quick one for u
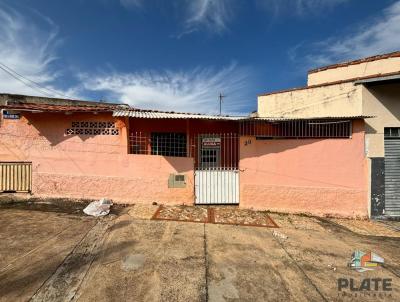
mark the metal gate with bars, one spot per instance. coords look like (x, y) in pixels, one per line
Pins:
(15, 176)
(216, 168)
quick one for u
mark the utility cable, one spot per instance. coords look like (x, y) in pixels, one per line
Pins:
(39, 87)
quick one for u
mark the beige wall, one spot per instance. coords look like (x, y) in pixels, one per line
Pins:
(331, 100)
(382, 101)
(383, 66)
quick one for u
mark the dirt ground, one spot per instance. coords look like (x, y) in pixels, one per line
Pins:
(52, 252)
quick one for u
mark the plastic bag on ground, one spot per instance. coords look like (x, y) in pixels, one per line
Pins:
(98, 208)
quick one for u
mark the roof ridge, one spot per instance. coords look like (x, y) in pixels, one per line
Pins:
(15, 102)
(357, 61)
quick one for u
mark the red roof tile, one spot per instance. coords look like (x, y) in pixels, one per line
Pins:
(58, 108)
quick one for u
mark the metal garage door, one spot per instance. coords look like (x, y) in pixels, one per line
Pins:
(392, 172)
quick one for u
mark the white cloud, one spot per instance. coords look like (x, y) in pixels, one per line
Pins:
(212, 15)
(27, 50)
(194, 91)
(30, 50)
(374, 36)
(215, 15)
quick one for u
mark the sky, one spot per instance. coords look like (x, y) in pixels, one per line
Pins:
(179, 55)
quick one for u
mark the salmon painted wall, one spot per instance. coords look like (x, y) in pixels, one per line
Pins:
(90, 166)
(317, 176)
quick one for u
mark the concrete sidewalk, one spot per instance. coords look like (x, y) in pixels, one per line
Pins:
(55, 256)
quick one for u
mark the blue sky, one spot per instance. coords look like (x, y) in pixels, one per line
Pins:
(179, 55)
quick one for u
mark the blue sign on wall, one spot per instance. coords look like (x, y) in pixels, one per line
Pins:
(11, 116)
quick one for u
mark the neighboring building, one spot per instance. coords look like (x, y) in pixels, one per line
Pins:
(65, 148)
(365, 87)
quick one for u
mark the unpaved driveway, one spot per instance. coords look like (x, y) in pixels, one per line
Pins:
(56, 256)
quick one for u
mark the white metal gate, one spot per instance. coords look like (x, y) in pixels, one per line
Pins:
(217, 171)
(217, 186)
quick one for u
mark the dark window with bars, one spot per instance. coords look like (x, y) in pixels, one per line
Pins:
(168, 144)
(392, 132)
(297, 129)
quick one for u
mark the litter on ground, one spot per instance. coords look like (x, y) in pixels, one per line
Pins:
(98, 208)
(279, 235)
(332, 267)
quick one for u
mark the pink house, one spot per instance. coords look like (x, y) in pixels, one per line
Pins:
(91, 150)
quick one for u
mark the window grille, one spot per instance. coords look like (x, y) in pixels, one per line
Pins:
(168, 144)
(215, 151)
(159, 143)
(392, 132)
(210, 157)
(208, 150)
(139, 143)
(297, 129)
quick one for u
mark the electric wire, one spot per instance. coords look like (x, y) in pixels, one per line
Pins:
(49, 92)
(30, 86)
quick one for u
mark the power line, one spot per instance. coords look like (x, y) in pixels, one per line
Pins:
(30, 86)
(38, 87)
(35, 83)
(42, 89)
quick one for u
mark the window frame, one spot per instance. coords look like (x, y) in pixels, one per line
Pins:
(172, 144)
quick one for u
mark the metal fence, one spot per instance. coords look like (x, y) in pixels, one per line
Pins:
(297, 129)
